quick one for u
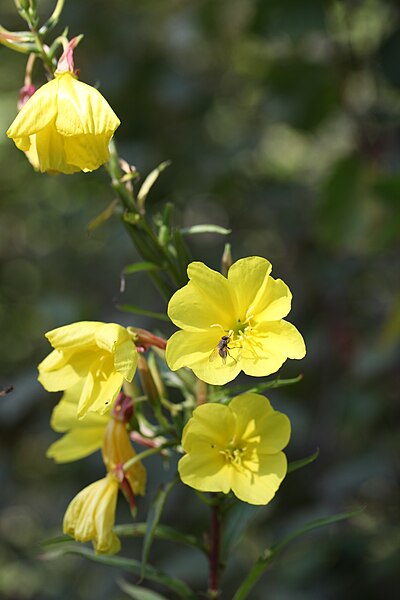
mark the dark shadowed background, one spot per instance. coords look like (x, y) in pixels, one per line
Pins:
(281, 120)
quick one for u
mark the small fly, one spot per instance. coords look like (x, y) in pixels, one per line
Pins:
(222, 349)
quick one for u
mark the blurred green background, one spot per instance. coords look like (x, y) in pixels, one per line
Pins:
(281, 119)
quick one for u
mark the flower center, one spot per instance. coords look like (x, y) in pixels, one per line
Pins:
(234, 455)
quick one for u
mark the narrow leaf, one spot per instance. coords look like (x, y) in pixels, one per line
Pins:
(153, 519)
(128, 564)
(224, 394)
(205, 229)
(149, 182)
(237, 521)
(271, 553)
(138, 592)
(132, 308)
(140, 266)
(136, 268)
(299, 464)
(161, 532)
(103, 216)
(267, 385)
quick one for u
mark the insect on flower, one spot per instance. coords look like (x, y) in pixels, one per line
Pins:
(222, 349)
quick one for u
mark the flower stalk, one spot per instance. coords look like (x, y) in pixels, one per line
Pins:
(215, 549)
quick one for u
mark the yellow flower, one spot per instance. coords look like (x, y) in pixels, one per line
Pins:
(232, 324)
(236, 447)
(81, 436)
(67, 125)
(99, 355)
(90, 515)
(117, 450)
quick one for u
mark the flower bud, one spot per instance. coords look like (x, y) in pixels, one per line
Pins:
(147, 381)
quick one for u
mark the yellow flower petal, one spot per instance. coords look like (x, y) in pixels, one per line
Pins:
(206, 300)
(205, 471)
(36, 114)
(83, 436)
(76, 444)
(57, 379)
(257, 422)
(246, 277)
(82, 109)
(89, 152)
(75, 335)
(201, 426)
(281, 337)
(186, 348)
(99, 393)
(273, 301)
(259, 486)
(126, 359)
(216, 372)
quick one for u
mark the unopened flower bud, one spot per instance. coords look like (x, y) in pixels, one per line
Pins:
(145, 339)
(147, 381)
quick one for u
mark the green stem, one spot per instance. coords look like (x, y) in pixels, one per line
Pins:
(145, 454)
(53, 19)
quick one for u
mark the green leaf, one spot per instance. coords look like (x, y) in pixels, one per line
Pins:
(149, 182)
(303, 462)
(271, 553)
(267, 385)
(127, 564)
(138, 592)
(205, 229)
(162, 532)
(56, 541)
(132, 308)
(140, 266)
(136, 268)
(103, 216)
(153, 519)
(237, 521)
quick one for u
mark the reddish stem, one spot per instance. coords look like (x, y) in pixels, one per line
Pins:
(215, 539)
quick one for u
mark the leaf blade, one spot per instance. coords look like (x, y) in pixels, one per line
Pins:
(137, 310)
(303, 462)
(153, 519)
(270, 554)
(128, 564)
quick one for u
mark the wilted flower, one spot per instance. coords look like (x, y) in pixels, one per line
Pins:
(81, 436)
(66, 124)
(232, 324)
(90, 515)
(117, 450)
(236, 447)
(99, 355)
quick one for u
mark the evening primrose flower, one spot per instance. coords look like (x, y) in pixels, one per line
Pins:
(236, 447)
(232, 324)
(101, 356)
(65, 126)
(90, 515)
(81, 436)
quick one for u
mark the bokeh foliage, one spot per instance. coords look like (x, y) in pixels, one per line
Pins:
(281, 120)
